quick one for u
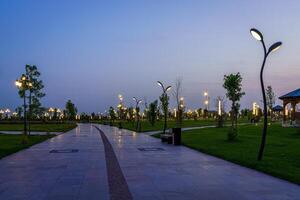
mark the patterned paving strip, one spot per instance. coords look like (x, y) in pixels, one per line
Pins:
(118, 188)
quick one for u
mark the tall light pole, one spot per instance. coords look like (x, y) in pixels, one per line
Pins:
(165, 103)
(258, 36)
(206, 100)
(121, 109)
(24, 84)
(137, 110)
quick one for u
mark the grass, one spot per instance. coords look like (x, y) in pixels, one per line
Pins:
(10, 144)
(146, 126)
(282, 151)
(63, 127)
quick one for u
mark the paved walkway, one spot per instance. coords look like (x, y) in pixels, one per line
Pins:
(174, 172)
(37, 174)
(78, 169)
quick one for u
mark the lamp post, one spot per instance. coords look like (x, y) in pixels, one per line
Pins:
(24, 84)
(137, 110)
(164, 102)
(206, 100)
(121, 110)
(258, 36)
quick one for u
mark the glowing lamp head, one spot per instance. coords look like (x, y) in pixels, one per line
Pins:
(160, 84)
(256, 34)
(275, 46)
(168, 88)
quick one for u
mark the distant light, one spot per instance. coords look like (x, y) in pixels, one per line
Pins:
(219, 108)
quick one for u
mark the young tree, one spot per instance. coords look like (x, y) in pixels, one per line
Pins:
(35, 92)
(112, 114)
(19, 111)
(164, 100)
(71, 110)
(131, 115)
(233, 85)
(270, 95)
(152, 112)
(55, 114)
(177, 93)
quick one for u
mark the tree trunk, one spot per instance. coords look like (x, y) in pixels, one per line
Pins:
(29, 111)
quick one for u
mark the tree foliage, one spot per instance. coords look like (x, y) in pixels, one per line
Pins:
(35, 92)
(71, 110)
(270, 95)
(112, 113)
(152, 112)
(233, 85)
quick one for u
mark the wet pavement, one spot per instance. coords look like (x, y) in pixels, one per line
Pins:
(37, 174)
(160, 171)
(77, 169)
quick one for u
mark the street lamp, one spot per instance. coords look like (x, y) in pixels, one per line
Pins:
(24, 84)
(165, 102)
(258, 36)
(206, 100)
(137, 109)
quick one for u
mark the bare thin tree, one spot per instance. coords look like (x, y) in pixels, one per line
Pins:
(177, 94)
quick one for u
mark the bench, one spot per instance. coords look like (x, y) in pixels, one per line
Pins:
(167, 137)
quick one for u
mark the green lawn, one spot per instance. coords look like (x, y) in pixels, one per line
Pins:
(146, 126)
(12, 143)
(282, 152)
(63, 127)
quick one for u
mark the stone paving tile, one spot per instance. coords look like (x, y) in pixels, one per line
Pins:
(183, 173)
(35, 173)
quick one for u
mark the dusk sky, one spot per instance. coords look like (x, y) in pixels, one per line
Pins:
(91, 51)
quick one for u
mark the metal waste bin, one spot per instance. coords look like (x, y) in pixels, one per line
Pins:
(176, 136)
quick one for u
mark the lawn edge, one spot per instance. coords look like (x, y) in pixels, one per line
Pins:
(274, 175)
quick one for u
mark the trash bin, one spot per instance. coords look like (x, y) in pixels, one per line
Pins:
(176, 136)
(120, 125)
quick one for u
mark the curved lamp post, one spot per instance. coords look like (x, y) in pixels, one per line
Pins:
(258, 36)
(165, 96)
(24, 84)
(137, 110)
